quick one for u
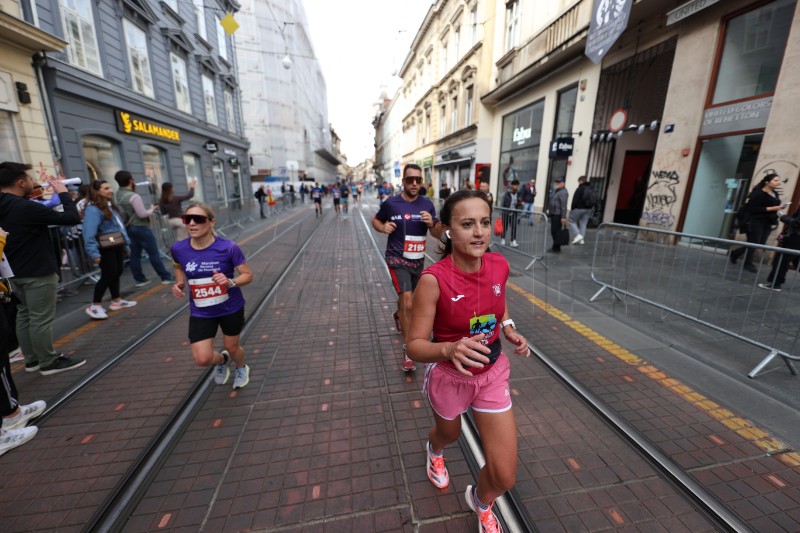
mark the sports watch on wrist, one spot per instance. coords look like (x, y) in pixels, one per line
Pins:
(233, 282)
(508, 322)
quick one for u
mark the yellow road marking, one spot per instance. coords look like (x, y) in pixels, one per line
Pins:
(744, 428)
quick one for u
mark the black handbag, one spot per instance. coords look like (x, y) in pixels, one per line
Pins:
(561, 238)
(113, 239)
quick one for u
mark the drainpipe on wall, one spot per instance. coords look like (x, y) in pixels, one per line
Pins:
(39, 60)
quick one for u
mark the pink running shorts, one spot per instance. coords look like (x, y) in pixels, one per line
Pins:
(452, 393)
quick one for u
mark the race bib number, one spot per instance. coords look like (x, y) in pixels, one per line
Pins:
(206, 293)
(414, 247)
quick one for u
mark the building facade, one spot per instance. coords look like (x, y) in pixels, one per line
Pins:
(146, 86)
(24, 135)
(285, 94)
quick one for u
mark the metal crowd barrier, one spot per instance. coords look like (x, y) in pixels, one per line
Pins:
(525, 232)
(75, 267)
(692, 276)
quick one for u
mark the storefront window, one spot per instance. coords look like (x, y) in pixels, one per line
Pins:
(219, 180)
(519, 146)
(753, 51)
(191, 166)
(9, 147)
(102, 158)
(721, 185)
(155, 170)
(565, 116)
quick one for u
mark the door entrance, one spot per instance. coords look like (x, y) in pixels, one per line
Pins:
(633, 187)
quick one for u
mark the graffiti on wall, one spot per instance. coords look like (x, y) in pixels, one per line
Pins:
(661, 198)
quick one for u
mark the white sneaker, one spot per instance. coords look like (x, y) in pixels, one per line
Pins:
(502, 242)
(582, 241)
(121, 304)
(97, 312)
(514, 244)
(26, 412)
(577, 239)
(11, 438)
(222, 372)
(241, 377)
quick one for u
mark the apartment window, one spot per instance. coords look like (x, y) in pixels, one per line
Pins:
(473, 23)
(753, 52)
(193, 171)
(512, 24)
(457, 44)
(444, 59)
(200, 17)
(454, 115)
(9, 147)
(222, 41)
(138, 59)
(173, 4)
(428, 125)
(442, 120)
(78, 19)
(468, 105)
(231, 118)
(210, 100)
(181, 83)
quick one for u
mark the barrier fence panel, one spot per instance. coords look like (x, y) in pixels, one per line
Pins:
(525, 232)
(75, 267)
(694, 277)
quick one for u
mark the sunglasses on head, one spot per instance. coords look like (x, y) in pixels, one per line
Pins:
(413, 179)
(197, 219)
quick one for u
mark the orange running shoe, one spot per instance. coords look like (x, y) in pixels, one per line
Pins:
(437, 472)
(408, 364)
(487, 521)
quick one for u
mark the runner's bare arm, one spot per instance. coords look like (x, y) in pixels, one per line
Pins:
(180, 282)
(514, 337)
(465, 352)
(383, 227)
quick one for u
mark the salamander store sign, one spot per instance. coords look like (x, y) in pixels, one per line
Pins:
(143, 127)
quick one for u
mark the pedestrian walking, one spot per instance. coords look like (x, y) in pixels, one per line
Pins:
(105, 241)
(137, 223)
(261, 197)
(29, 249)
(557, 212)
(213, 269)
(790, 239)
(170, 205)
(406, 219)
(459, 312)
(763, 204)
(528, 195)
(583, 202)
(511, 200)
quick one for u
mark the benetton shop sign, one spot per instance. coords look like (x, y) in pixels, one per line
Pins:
(742, 116)
(144, 127)
(687, 10)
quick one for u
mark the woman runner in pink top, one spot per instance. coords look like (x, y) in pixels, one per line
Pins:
(460, 302)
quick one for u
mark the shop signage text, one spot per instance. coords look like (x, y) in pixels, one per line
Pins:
(230, 151)
(211, 146)
(562, 147)
(143, 127)
(687, 10)
(743, 116)
(521, 135)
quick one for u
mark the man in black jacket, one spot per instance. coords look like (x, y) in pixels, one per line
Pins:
(511, 200)
(557, 211)
(583, 202)
(29, 250)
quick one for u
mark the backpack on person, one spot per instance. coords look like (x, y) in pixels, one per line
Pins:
(742, 217)
(589, 197)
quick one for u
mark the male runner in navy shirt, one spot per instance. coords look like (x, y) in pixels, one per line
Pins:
(406, 219)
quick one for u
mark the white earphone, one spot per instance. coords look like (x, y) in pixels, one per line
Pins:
(447, 233)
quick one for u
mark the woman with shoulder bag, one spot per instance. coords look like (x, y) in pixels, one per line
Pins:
(763, 205)
(105, 239)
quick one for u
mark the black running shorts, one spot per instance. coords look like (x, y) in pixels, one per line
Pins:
(202, 328)
(405, 278)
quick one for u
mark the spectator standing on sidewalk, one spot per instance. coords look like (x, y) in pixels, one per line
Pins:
(261, 197)
(528, 195)
(583, 201)
(511, 200)
(762, 206)
(137, 222)
(484, 188)
(207, 265)
(15, 416)
(459, 312)
(101, 217)
(557, 211)
(170, 205)
(29, 249)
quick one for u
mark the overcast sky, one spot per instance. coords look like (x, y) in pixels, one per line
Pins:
(360, 43)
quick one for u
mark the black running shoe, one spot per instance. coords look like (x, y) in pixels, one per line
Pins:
(62, 364)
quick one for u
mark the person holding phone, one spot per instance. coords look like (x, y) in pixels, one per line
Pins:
(763, 204)
(207, 265)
